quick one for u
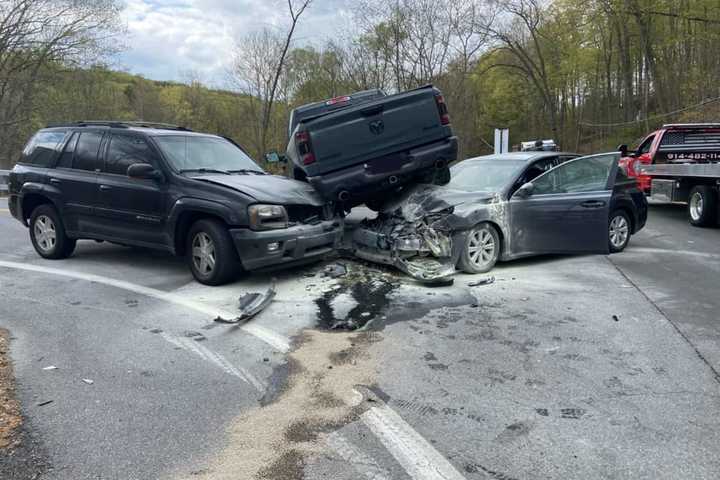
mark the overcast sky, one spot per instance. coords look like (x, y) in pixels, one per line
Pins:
(168, 38)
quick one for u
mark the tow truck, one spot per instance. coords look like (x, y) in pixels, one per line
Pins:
(680, 163)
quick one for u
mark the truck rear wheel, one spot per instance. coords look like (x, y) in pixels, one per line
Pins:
(703, 206)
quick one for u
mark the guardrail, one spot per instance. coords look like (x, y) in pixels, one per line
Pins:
(4, 174)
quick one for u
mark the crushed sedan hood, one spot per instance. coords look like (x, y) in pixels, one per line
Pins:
(422, 200)
(268, 188)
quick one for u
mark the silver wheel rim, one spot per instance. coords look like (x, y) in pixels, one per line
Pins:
(481, 248)
(203, 253)
(619, 231)
(696, 206)
(45, 233)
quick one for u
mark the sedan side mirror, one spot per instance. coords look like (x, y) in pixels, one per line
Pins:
(525, 191)
(143, 171)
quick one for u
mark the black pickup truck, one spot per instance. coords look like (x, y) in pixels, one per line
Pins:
(361, 147)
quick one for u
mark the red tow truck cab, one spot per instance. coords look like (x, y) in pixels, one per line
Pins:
(674, 143)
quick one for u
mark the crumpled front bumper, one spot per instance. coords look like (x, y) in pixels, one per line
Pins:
(427, 256)
(289, 246)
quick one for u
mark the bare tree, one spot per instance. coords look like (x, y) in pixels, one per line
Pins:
(259, 66)
(35, 34)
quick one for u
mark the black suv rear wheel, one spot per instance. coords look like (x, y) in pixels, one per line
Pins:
(211, 254)
(47, 233)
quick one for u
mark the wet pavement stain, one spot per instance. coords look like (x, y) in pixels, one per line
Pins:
(372, 299)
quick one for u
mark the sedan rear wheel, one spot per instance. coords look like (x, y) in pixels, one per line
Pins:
(481, 250)
(619, 231)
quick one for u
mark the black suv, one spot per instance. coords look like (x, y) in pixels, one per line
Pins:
(165, 187)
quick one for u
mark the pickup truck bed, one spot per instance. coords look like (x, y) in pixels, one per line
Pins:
(358, 149)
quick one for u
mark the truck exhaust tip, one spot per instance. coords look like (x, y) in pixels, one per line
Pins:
(393, 180)
(343, 196)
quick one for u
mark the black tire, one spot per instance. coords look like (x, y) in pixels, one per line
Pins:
(475, 256)
(619, 231)
(225, 264)
(703, 206)
(47, 233)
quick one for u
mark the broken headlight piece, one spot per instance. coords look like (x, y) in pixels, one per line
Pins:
(267, 217)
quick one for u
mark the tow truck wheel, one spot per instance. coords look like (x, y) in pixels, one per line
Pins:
(481, 250)
(702, 206)
(211, 254)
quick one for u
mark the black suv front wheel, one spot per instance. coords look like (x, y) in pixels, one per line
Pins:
(211, 254)
(47, 233)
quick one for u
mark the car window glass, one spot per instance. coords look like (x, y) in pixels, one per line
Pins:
(86, 152)
(124, 151)
(586, 174)
(66, 157)
(41, 149)
(645, 147)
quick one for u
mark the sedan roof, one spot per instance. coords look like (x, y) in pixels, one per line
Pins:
(521, 156)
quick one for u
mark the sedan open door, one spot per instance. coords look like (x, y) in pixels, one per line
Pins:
(566, 209)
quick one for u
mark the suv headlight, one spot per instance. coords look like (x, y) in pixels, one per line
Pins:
(267, 217)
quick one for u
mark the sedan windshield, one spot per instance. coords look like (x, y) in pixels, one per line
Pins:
(205, 155)
(491, 175)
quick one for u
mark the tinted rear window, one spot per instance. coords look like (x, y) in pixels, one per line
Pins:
(41, 149)
(86, 152)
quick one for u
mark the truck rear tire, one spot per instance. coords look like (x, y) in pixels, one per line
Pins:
(703, 206)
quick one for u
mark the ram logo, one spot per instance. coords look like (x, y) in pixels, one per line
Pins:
(377, 127)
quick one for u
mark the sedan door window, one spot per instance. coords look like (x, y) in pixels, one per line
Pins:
(585, 174)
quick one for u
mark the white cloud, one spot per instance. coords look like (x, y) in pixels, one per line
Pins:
(168, 38)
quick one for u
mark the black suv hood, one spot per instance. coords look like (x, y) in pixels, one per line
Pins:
(268, 188)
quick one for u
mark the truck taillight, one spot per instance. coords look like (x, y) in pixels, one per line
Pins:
(336, 100)
(304, 147)
(442, 109)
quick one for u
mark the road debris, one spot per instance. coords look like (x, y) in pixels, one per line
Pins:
(46, 402)
(50, 367)
(250, 305)
(335, 270)
(88, 381)
(484, 281)
(616, 318)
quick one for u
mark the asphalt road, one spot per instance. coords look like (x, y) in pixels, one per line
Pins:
(565, 367)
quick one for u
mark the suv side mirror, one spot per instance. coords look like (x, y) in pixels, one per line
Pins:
(143, 171)
(623, 149)
(525, 191)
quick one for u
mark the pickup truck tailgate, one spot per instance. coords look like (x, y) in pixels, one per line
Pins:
(374, 130)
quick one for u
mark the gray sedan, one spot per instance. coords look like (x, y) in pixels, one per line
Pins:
(502, 207)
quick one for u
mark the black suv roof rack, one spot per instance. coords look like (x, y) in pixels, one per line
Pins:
(120, 124)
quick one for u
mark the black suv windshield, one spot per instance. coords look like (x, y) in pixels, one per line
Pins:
(205, 154)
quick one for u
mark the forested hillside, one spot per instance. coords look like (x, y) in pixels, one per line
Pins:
(589, 73)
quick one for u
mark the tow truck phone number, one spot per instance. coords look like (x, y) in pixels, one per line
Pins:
(693, 156)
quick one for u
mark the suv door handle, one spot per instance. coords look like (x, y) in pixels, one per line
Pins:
(105, 187)
(593, 204)
(55, 181)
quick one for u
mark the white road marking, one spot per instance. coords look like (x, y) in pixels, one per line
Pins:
(273, 339)
(362, 462)
(191, 345)
(416, 455)
(691, 253)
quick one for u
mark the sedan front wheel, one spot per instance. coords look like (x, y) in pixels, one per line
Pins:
(481, 250)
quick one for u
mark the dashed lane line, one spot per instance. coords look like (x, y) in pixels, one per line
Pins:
(362, 462)
(415, 454)
(190, 345)
(274, 339)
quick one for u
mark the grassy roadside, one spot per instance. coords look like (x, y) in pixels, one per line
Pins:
(20, 459)
(10, 419)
